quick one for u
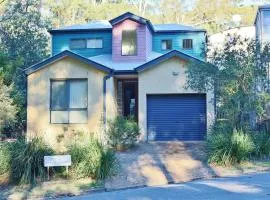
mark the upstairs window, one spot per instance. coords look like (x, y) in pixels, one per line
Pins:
(77, 44)
(68, 102)
(92, 43)
(129, 42)
(187, 43)
(166, 44)
(96, 43)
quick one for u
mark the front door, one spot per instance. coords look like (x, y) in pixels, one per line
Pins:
(130, 98)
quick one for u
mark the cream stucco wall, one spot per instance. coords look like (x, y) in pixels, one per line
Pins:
(160, 80)
(38, 99)
(156, 80)
(111, 102)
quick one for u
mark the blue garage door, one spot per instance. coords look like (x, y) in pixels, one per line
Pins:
(176, 117)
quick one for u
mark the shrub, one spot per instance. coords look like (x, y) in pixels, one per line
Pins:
(262, 144)
(123, 131)
(222, 126)
(108, 164)
(5, 158)
(27, 164)
(91, 159)
(229, 148)
(8, 110)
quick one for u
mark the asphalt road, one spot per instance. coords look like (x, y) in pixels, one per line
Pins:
(255, 187)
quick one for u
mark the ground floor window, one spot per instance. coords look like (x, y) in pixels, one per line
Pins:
(69, 101)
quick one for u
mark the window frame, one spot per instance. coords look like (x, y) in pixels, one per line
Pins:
(70, 47)
(183, 46)
(68, 109)
(166, 40)
(85, 40)
(136, 49)
(97, 38)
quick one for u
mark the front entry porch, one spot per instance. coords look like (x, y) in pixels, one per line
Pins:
(127, 97)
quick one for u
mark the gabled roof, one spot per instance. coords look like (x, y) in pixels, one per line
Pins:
(176, 28)
(106, 59)
(61, 55)
(105, 63)
(131, 16)
(167, 56)
(104, 25)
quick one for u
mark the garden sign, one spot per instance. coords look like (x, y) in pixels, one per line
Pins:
(57, 161)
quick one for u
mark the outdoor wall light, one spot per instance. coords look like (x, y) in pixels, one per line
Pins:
(175, 73)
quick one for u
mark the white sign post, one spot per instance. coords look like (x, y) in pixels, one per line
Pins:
(57, 161)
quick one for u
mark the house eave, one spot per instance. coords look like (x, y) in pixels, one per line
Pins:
(125, 72)
(133, 17)
(55, 31)
(62, 55)
(180, 31)
(167, 56)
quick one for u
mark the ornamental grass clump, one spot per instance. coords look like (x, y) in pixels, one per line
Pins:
(5, 158)
(27, 163)
(229, 148)
(91, 159)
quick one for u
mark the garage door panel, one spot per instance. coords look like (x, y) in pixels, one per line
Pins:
(176, 117)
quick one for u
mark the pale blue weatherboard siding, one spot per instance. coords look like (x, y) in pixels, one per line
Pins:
(60, 42)
(177, 41)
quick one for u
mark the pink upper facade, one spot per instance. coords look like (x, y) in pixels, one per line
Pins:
(144, 41)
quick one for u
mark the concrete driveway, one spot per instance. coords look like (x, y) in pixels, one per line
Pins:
(251, 187)
(151, 164)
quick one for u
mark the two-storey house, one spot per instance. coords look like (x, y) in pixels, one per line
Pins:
(262, 24)
(262, 27)
(126, 66)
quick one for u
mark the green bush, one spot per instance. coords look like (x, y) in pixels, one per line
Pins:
(91, 159)
(5, 158)
(262, 144)
(123, 131)
(27, 163)
(229, 148)
(222, 126)
(108, 164)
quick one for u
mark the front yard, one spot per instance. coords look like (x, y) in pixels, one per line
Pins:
(146, 164)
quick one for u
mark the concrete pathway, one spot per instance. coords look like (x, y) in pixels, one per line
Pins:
(249, 187)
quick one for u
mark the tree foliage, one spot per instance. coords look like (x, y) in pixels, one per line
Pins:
(235, 73)
(8, 109)
(24, 41)
(23, 31)
(217, 15)
(214, 15)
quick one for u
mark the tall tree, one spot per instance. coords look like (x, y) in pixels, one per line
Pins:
(236, 71)
(216, 15)
(8, 109)
(25, 41)
(23, 31)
